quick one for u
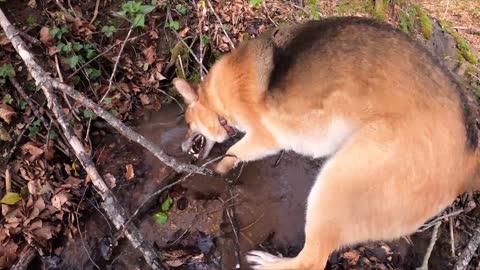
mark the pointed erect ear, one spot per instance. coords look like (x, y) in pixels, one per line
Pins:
(188, 93)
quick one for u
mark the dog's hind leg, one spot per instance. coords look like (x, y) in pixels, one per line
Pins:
(373, 188)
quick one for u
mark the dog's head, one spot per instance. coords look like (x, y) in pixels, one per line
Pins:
(204, 125)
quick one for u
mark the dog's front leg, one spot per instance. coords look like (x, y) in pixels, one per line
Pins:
(251, 147)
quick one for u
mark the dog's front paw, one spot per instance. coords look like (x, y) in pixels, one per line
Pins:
(225, 165)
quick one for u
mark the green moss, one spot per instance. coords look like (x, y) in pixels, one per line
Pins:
(462, 45)
(345, 7)
(377, 10)
(312, 8)
(469, 73)
(407, 19)
(477, 91)
(426, 26)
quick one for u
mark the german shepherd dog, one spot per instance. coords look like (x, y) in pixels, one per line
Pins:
(396, 126)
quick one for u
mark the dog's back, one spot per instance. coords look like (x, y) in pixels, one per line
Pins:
(397, 126)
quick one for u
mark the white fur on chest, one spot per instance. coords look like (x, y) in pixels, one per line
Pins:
(314, 140)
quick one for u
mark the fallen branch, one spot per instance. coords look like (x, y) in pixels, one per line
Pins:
(433, 240)
(467, 254)
(110, 205)
(25, 259)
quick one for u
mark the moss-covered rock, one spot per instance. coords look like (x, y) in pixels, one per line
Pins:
(462, 44)
(426, 26)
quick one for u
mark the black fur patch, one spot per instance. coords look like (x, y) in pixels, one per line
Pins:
(316, 34)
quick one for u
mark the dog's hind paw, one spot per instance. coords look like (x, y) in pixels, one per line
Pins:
(260, 260)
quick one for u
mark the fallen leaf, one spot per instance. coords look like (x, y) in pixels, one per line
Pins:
(352, 256)
(129, 174)
(145, 99)
(11, 198)
(150, 54)
(184, 32)
(160, 217)
(34, 151)
(6, 113)
(45, 36)
(60, 199)
(32, 4)
(8, 255)
(4, 136)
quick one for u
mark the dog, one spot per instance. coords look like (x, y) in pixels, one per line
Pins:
(397, 127)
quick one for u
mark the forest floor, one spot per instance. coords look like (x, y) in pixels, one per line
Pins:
(50, 208)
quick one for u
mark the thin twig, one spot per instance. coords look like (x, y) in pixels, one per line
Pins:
(95, 12)
(192, 53)
(110, 81)
(26, 258)
(8, 180)
(93, 59)
(173, 98)
(230, 215)
(433, 240)
(452, 237)
(19, 138)
(221, 24)
(433, 222)
(60, 76)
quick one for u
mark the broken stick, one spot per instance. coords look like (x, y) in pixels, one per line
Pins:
(467, 254)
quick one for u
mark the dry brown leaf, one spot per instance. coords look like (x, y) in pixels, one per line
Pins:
(34, 151)
(8, 255)
(45, 36)
(60, 199)
(352, 256)
(150, 54)
(145, 99)
(184, 32)
(6, 113)
(4, 136)
(129, 174)
(53, 50)
(4, 40)
(34, 187)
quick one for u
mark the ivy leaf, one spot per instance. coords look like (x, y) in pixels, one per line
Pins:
(87, 114)
(174, 25)
(167, 204)
(77, 47)
(6, 71)
(11, 198)
(73, 61)
(145, 9)
(139, 20)
(7, 100)
(107, 101)
(160, 217)
(53, 135)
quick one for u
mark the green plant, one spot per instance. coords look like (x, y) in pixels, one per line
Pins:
(135, 12)
(181, 9)
(34, 128)
(58, 32)
(7, 100)
(426, 26)
(407, 19)
(256, 3)
(312, 8)
(108, 30)
(161, 216)
(93, 73)
(174, 25)
(31, 20)
(87, 114)
(463, 48)
(6, 71)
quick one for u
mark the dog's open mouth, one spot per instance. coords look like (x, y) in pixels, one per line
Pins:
(198, 146)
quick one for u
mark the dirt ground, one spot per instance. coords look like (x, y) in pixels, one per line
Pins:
(202, 223)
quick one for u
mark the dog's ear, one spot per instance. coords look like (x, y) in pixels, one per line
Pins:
(188, 93)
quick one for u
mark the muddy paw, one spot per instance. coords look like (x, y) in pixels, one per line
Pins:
(259, 259)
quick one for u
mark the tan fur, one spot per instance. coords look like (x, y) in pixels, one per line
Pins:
(390, 119)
